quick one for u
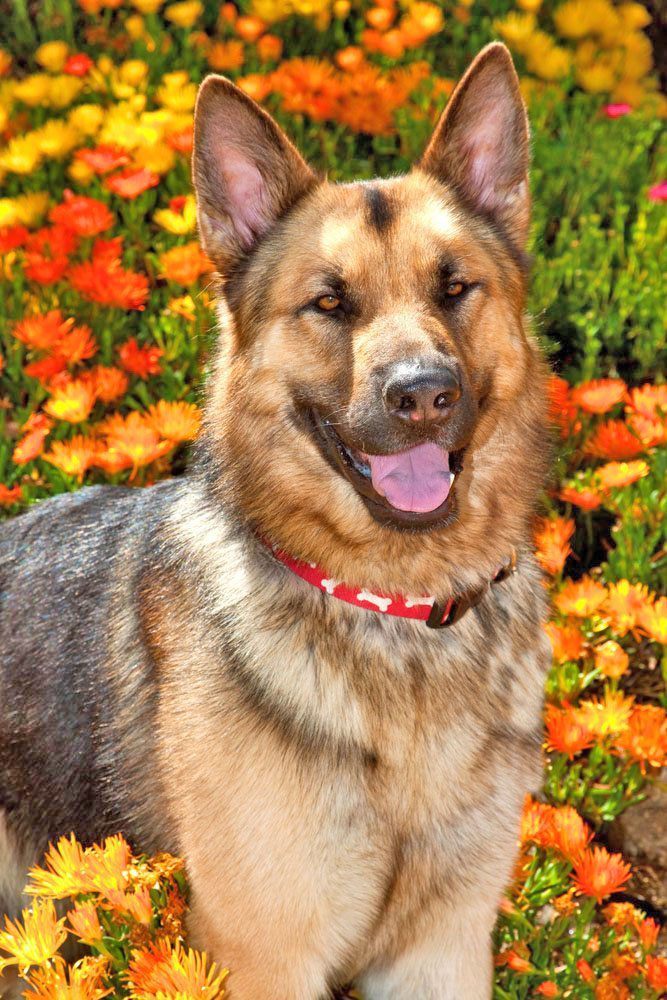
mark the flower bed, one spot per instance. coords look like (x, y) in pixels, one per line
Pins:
(105, 330)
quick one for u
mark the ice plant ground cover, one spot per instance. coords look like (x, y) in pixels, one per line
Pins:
(105, 327)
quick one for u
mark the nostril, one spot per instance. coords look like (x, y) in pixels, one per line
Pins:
(441, 401)
(407, 403)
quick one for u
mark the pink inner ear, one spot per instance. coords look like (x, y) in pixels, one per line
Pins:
(246, 200)
(486, 154)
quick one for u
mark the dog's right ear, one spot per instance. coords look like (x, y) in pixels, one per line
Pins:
(245, 170)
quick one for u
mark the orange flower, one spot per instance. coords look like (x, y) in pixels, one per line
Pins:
(82, 981)
(350, 58)
(270, 48)
(77, 345)
(12, 237)
(103, 159)
(84, 216)
(132, 182)
(226, 55)
(624, 604)
(136, 904)
(622, 915)
(567, 730)
(85, 923)
(536, 822)
(614, 475)
(184, 264)
(649, 430)
(562, 410)
(104, 280)
(649, 930)
(64, 871)
(552, 540)
(645, 737)
(73, 457)
(42, 332)
(585, 971)
(614, 439)
(611, 659)
(46, 368)
(652, 619)
(250, 28)
(34, 939)
(181, 139)
(648, 400)
(10, 495)
(597, 873)
(584, 498)
(566, 640)
(175, 421)
(166, 969)
(31, 444)
(599, 395)
(547, 989)
(570, 834)
(72, 400)
(108, 382)
(141, 361)
(133, 440)
(580, 598)
(608, 717)
(656, 972)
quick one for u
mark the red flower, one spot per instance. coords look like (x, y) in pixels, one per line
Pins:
(77, 64)
(12, 237)
(132, 182)
(614, 439)
(182, 140)
(617, 110)
(46, 253)
(658, 192)
(84, 216)
(567, 730)
(46, 369)
(102, 159)
(10, 495)
(141, 361)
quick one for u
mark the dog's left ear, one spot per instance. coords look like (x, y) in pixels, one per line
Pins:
(246, 172)
(481, 144)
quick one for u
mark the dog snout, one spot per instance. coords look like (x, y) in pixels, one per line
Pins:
(421, 392)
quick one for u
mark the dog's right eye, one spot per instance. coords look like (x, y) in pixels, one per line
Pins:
(328, 303)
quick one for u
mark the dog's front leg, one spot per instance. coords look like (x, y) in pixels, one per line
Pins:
(451, 959)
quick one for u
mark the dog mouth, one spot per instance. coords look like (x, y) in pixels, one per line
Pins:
(413, 488)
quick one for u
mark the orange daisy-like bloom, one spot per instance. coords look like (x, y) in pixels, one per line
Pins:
(107, 865)
(567, 730)
(46, 254)
(64, 871)
(141, 361)
(184, 264)
(226, 55)
(73, 457)
(597, 873)
(652, 619)
(614, 475)
(567, 642)
(10, 495)
(645, 737)
(656, 972)
(103, 159)
(625, 603)
(649, 931)
(552, 541)
(12, 237)
(133, 440)
(562, 410)
(570, 834)
(614, 439)
(584, 497)
(175, 421)
(611, 659)
(77, 345)
(104, 280)
(46, 368)
(169, 970)
(547, 989)
(136, 904)
(599, 395)
(32, 940)
(132, 182)
(608, 717)
(580, 598)
(585, 971)
(82, 981)
(42, 332)
(536, 822)
(648, 400)
(31, 445)
(84, 216)
(72, 400)
(622, 915)
(109, 382)
(181, 140)
(85, 923)
(650, 430)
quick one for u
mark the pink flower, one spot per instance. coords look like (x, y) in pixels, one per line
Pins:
(658, 192)
(617, 110)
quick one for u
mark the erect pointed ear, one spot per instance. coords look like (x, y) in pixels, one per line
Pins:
(245, 170)
(480, 146)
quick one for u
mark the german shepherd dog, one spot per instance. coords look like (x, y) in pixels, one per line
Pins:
(344, 782)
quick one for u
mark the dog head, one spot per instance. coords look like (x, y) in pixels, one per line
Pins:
(378, 404)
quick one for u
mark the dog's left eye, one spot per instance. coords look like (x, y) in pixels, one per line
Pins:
(328, 303)
(455, 288)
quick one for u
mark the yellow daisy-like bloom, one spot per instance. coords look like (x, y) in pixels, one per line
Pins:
(275, 10)
(178, 223)
(87, 118)
(169, 971)
(634, 15)
(63, 90)
(80, 172)
(34, 939)
(134, 72)
(72, 401)
(21, 155)
(136, 27)
(608, 717)
(532, 6)
(176, 421)
(81, 981)
(516, 29)
(52, 55)
(653, 620)
(596, 79)
(57, 138)
(185, 13)
(33, 90)
(183, 305)
(176, 95)
(636, 59)
(159, 159)
(544, 59)
(64, 872)
(578, 18)
(85, 923)
(147, 6)
(26, 209)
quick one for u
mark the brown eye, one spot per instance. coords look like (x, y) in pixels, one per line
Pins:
(328, 303)
(454, 288)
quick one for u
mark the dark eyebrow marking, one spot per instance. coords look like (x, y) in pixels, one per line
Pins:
(380, 209)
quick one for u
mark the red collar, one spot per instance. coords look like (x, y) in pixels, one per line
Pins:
(436, 614)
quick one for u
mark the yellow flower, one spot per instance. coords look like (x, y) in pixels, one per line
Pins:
(181, 222)
(135, 26)
(27, 209)
(52, 55)
(80, 172)
(134, 72)
(57, 138)
(637, 60)
(516, 29)
(71, 401)
(578, 18)
(177, 92)
(166, 970)
(85, 923)
(81, 981)
(33, 90)
(159, 159)
(183, 305)
(5, 62)
(532, 6)
(185, 13)
(147, 6)
(634, 15)
(87, 118)
(21, 155)
(33, 940)
(596, 79)
(63, 89)
(609, 716)
(544, 59)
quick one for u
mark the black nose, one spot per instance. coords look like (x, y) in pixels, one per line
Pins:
(414, 392)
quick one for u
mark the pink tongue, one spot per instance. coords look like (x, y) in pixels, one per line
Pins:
(418, 480)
